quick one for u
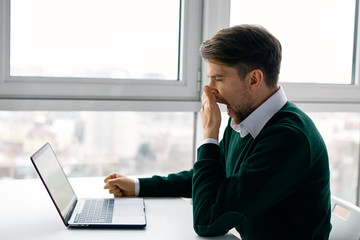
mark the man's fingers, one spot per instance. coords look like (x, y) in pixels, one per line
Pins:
(208, 95)
(120, 194)
(111, 183)
(212, 94)
(111, 176)
(114, 182)
(210, 114)
(120, 186)
(208, 99)
(115, 190)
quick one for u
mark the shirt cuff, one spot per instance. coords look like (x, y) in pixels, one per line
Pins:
(137, 186)
(210, 140)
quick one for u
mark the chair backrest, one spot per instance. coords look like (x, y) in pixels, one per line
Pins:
(345, 220)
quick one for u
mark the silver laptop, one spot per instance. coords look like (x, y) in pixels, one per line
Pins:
(101, 212)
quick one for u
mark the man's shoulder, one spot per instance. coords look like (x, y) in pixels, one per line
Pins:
(291, 114)
(292, 118)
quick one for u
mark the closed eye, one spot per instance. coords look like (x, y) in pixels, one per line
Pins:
(217, 79)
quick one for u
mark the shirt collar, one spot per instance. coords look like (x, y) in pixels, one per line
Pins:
(255, 122)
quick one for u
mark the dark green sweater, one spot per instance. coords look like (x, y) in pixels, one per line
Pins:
(275, 186)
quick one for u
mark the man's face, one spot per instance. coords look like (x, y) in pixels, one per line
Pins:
(229, 89)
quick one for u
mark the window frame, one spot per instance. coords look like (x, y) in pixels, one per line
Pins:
(76, 93)
(312, 95)
(201, 19)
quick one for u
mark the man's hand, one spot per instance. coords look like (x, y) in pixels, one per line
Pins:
(210, 114)
(119, 185)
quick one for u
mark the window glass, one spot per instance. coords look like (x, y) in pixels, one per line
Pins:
(341, 133)
(137, 39)
(316, 36)
(98, 143)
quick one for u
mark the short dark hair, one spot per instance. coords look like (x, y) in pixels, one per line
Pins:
(245, 47)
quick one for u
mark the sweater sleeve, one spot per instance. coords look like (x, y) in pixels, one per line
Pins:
(174, 185)
(274, 169)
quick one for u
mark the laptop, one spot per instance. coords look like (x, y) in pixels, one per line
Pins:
(85, 212)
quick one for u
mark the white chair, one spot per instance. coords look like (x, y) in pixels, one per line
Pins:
(345, 220)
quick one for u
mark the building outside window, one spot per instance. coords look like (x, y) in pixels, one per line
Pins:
(98, 143)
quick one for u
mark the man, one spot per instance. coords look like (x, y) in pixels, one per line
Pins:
(269, 175)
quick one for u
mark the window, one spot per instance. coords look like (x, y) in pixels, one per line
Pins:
(320, 56)
(341, 133)
(82, 107)
(98, 143)
(100, 50)
(93, 39)
(317, 46)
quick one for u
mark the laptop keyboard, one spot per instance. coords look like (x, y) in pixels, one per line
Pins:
(96, 211)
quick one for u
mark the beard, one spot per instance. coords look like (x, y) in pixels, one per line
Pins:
(242, 115)
(241, 111)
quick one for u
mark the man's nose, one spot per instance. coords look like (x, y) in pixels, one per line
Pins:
(212, 86)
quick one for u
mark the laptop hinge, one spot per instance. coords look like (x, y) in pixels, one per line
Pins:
(71, 210)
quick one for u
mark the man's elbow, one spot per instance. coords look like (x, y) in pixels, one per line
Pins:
(220, 226)
(206, 231)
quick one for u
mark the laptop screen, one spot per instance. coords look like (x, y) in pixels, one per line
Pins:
(54, 178)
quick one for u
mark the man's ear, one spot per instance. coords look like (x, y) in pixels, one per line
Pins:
(256, 78)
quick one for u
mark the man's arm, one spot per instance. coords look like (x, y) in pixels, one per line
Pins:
(174, 185)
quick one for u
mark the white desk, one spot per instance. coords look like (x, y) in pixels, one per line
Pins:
(27, 212)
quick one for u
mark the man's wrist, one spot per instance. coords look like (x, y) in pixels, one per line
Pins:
(211, 134)
(210, 140)
(137, 186)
